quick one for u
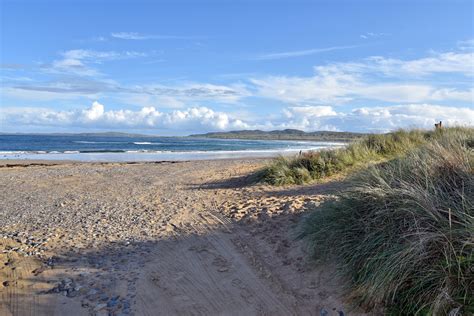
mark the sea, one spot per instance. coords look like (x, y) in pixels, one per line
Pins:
(144, 148)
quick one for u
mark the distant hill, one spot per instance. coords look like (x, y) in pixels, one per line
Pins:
(286, 134)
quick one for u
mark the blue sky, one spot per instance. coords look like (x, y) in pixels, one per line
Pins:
(180, 67)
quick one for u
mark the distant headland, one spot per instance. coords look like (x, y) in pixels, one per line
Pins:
(286, 134)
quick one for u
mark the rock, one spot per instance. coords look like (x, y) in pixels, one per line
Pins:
(92, 292)
(104, 298)
(72, 293)
(113, 301)
(66, 281)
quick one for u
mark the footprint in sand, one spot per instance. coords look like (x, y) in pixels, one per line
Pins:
(237, 283)
(221, 263)
(245, 293)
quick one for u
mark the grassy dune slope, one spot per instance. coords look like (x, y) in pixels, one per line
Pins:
(372, 148)
(404, 231)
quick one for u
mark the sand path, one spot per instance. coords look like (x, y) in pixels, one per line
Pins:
(188, 238)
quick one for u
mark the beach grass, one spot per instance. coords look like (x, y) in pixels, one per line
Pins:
(403, 233)
(315, 165)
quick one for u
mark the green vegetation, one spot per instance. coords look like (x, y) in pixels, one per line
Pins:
(286, 134)
(371, 148)
(403, 233)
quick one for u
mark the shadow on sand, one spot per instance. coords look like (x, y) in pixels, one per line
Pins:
(209, 267)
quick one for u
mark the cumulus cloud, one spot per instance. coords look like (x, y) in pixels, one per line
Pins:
(96, 116)
(95, 112)
(203, 119)
(375, 119)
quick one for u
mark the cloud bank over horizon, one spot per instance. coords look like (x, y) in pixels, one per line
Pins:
(203, 119)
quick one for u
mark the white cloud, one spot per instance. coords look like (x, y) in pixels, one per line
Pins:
(67, 88)
(192, 91)
(299, 53)
(370, 35)
(321, 88)
(129, 36)
(309, 111)
(375, 78)
(375, 119)
(77, 61)
(144, 95)
(96, 116)
(137, 36)
(95, 112)
(467, 44)
(450, 62)
(408, 116)
(37, 94)
(203, 119)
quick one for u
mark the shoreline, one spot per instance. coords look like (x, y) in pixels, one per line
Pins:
(11, 163)
(150, 157)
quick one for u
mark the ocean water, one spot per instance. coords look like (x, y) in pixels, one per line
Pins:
(119, 148)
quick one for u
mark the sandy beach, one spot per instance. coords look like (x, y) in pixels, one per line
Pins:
(183, 238)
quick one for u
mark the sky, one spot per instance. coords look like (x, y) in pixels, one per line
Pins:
(182, 67)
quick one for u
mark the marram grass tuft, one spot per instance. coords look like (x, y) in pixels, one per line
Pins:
(404, 232)
(372, 148)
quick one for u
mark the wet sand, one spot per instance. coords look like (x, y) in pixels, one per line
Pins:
(184, 238)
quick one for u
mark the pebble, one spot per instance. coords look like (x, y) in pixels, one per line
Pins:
(100, 306)
(92, 292)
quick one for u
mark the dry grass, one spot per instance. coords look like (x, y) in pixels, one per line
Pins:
(404, 231)
(313, 166)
